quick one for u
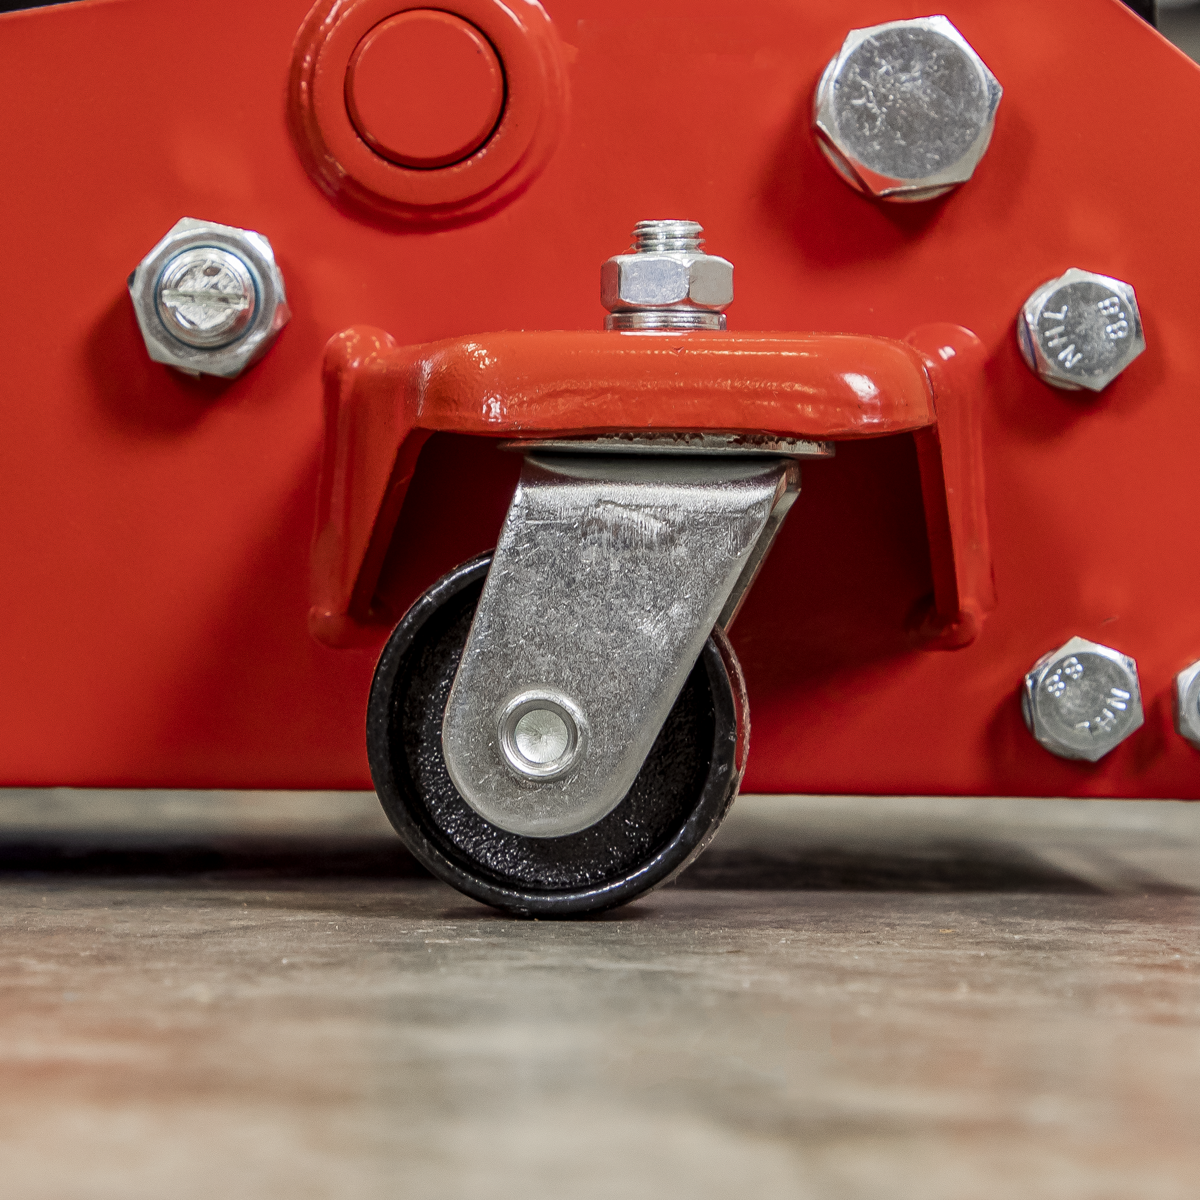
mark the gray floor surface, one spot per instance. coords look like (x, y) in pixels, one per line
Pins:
(260, 995)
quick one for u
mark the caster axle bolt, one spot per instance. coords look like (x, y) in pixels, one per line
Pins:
(542, 734)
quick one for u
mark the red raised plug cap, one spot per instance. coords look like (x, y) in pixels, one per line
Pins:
(425, 88)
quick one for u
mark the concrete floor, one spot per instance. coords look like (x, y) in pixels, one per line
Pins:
(257, 995)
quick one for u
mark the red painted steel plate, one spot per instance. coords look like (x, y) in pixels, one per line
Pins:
(156, 531)
(425, 88)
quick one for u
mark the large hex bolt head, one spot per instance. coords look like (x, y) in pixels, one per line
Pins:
(1080, 330)
(1082, 700)
(667, 281)
(905, 110)
(209, 298)
(1187, 704)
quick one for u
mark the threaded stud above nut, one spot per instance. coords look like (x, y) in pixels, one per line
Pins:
(666, 235)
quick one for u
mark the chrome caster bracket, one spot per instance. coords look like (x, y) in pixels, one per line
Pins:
(610, 574)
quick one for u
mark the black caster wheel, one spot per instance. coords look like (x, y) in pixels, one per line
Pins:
(681, 795)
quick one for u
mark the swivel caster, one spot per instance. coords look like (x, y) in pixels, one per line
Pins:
(678, 798)
(560, 726)
(551, 732)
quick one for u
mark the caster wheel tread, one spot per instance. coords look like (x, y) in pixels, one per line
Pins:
(675, 804)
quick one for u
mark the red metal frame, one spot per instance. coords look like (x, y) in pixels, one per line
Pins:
(157, 533)
(383, 402)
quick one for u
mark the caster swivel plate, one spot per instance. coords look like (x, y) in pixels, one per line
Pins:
(558, 727)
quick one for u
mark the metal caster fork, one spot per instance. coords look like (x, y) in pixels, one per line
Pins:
(563, 727)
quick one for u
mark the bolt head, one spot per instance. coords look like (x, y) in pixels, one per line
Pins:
(542, 734)
(1082, 700)
(905, 110)
(667, 279)
(209, 298)
(1187, 704)
(1080, 330)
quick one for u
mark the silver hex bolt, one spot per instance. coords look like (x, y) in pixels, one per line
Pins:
(666, 281)
(209, 298)
(1080, 330)
(1187, 704)
(905, 110)
(1082, 700)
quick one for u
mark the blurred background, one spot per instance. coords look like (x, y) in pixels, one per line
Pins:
(1178, 20)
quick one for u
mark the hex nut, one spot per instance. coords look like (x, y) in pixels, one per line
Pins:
(209, 298)
(1080, 330)
(667, 279)
(1082, 700)
(905, 110)
(1187, 704)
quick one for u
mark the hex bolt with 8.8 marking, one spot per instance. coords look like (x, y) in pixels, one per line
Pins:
(1082, 700)
(209, 298)
(1080, 330)
(1187, 704)
(904, 111)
